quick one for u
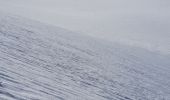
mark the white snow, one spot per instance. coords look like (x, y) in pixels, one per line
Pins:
(43, 62)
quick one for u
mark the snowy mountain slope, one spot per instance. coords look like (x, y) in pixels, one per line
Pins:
(144, 23)
(42, 62)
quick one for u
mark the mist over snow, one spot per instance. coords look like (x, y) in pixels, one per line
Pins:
(84, 50)
(43, 62)
(143, 23)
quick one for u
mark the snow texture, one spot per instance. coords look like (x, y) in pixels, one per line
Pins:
(43, 62)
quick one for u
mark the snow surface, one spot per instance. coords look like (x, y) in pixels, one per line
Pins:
(43, 62)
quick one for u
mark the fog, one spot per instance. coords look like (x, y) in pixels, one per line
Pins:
(143, 23)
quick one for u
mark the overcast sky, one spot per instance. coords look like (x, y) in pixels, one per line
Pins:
(141, 22)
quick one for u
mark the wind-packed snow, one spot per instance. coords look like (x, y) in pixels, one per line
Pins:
(43, 62)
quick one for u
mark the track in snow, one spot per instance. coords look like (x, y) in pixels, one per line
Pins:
(42, 62)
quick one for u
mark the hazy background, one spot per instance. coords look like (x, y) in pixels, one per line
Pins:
(143, 23)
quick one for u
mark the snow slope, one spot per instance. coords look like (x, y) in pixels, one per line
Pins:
(43, 62)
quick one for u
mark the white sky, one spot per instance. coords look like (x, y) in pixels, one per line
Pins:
(145, 23)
